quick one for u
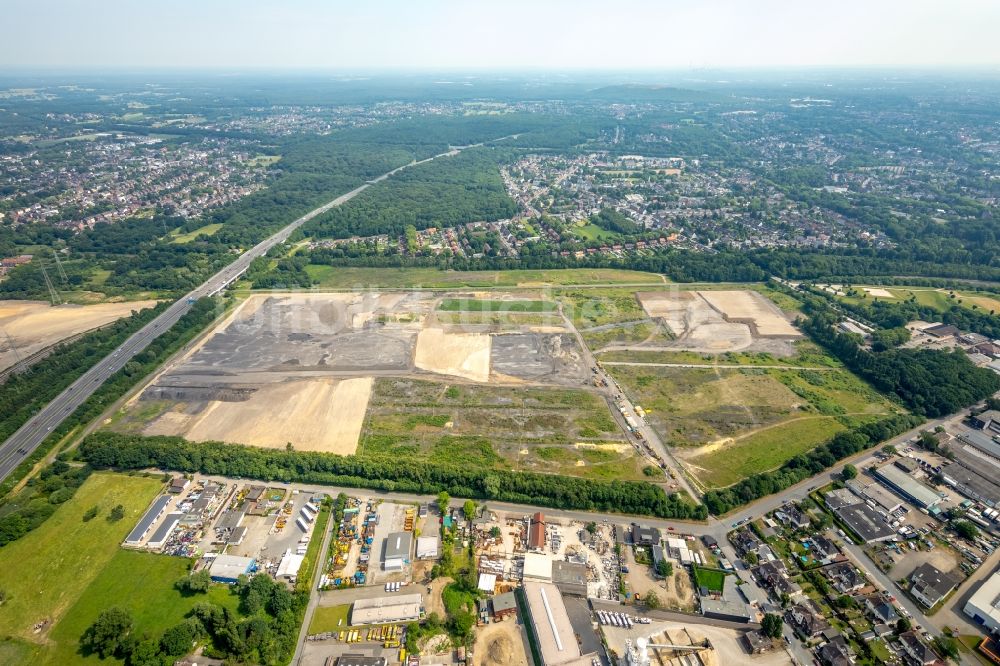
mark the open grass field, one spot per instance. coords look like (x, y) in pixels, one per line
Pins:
(46, 572)
(728, 423)
(482, 305)
(142, 583)
(765, 449)
(597, 307)
(939, 299)
(330, 618)
(710, 578)
(500, 320)
(627, 333)
(331, 277)
(806, 355)
(565, 431)
(207, 230)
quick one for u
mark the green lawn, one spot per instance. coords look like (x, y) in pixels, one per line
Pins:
(478, 305)
(331, 277)
(762, 451)
(45, 572)
(329, 618)
(710, 578)
(141, 582)
(207, 230)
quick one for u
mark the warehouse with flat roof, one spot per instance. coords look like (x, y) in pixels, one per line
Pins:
(228, 568)
(387, 610)
(551, 625)
(866, 523)
(145, 523)
(904, 484)
(396, 551)
(984, 606)
(163, 532)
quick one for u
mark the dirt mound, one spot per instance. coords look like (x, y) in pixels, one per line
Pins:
(500, 651)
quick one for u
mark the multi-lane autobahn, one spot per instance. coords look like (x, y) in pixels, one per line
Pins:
(22, 443)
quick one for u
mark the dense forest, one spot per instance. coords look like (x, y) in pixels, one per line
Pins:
(929, 382)
(122, 451)
(444, 193)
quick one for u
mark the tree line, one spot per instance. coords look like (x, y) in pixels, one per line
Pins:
(128, 451)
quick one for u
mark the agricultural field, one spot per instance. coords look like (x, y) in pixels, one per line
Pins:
(563, 431)
(726, 423)
(330, 277)
(66, 555)
(30, 326)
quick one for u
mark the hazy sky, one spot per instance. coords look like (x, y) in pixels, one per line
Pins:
(502, 34)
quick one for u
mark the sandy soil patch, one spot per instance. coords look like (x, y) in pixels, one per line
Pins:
(879, 292)
(750, 305)
(604, 446)
(34, 325)
(314, 415)
(459, 354)
(500, 644)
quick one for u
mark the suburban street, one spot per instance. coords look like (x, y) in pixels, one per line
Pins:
(28, 437)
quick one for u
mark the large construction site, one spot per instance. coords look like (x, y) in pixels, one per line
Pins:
(299, 368)
(718, 321)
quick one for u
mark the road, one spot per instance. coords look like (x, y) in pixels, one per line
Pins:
(616, 396)
(22, 443)
(331, 525)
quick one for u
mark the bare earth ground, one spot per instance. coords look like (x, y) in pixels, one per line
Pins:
(34, 325)
(459, 354)
(313, 414)
(499, 644)
(695, 323)
(751, 305)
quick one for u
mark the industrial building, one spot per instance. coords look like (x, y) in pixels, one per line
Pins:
(356, 660)
(876, 494)
(397, 551)
(163, 532)
(984, 606)
(536, 532)
(152, 514)
(537, 567)
(387, 610)
(503, 605)
(908, 487)
(428, 547)
(570, 578)
(551, 625)
(289, 565)
(228, 568)
(730, 605)
(866, 523)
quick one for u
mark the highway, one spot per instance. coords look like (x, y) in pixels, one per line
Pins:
(22, 443)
